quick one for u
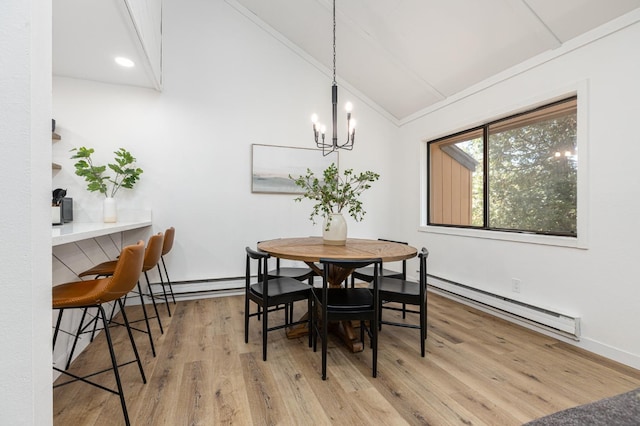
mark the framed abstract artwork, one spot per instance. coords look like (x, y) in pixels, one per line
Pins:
(272, 165)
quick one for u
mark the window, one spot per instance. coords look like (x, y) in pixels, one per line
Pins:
(515, 174)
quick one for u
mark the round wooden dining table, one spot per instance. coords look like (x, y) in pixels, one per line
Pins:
(311, 249)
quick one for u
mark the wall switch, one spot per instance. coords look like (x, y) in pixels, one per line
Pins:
(516, 285)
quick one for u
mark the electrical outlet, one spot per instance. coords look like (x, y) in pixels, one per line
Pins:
(516, 285)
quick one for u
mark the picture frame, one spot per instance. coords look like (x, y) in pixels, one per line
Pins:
(271, 166)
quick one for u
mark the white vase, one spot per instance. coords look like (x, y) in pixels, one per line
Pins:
(109, 210)
(335, 233)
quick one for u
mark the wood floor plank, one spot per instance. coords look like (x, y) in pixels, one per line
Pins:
(427, 395)
(497, 382)
(372, 406)
(267, 404)
(293, 381)
(231, 400)
(330, 394)
(196, 399)
(478, 370)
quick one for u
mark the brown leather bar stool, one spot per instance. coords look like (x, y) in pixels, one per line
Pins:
(169, 236)
(93, 294)
(152, 255)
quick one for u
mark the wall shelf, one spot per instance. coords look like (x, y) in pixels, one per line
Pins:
(55, 137)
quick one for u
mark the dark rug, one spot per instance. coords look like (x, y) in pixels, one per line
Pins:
(619, 410)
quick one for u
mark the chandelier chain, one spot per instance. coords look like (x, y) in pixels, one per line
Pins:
(334, 41)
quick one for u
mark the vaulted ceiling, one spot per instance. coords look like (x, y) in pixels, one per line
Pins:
(403, 55)
(406, 55)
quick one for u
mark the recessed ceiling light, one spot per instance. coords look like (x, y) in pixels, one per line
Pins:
(124, 62)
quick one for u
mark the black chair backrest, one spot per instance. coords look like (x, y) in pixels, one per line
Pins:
(423, 255)
(404, 262)
(261, 257)
(258, 252)
(351, 264)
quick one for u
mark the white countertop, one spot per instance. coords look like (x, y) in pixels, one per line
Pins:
(77, 231)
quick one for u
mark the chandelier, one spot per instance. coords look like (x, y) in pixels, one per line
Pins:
(319, 129)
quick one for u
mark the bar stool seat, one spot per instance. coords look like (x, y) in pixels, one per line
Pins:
(103, 269)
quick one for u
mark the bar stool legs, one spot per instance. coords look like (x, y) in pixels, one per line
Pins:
(164, 292)
(82, 327)
(114, 363)
(166, 274)
(167, 245)
(146, 320)
(153, 300)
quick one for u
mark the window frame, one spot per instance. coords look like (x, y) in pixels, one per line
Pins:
(578, 90)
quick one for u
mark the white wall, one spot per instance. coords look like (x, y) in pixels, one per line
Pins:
(227, 84)
(25, 269)
(600, 283)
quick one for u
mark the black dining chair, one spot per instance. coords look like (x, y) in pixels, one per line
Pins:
(299, 273)
(346, 304)
(407, 293)
(366, 274)
(270, 295)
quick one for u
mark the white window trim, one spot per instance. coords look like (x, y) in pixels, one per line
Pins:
(579, 89)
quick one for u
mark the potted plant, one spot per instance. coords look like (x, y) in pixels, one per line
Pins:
(332, 194)
(126, 175)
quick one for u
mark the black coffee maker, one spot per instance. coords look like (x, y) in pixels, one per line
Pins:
(64, 211)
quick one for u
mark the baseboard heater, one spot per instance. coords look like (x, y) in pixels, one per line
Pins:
(559, 323)
(213, 287)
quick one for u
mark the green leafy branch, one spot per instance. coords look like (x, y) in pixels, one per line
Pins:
(126, 173)
(334, 192)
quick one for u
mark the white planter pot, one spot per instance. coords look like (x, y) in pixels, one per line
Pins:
(336, 234)
(109, 210)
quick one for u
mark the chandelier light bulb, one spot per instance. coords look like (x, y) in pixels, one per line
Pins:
(314, 118)
(557, 154)
(352, 125)
(567, 153)
(323, 129)
(348, 107)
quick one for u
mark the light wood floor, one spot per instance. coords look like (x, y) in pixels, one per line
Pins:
(478, 370)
